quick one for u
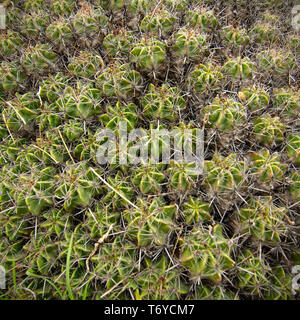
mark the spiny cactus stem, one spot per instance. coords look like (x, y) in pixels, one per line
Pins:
(112, 188)
(66, 146)
(96, 246)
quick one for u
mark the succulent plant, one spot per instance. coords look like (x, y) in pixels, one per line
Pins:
(83, 101)
(73, 130)
(149, 56)
(56, 221)
(157, 282)
(115, 262)
(64, 7)
(195, 210)
(33, 192)
(53, 87)
(255, 98)
(265, 33)
(234, 37)
(150, 223)
(163, 103)
(121, 185)
(293, 148)
(239, 68)
(216, 292)
(252, 273)
(22, 111)
(279, 62)
(202, 18)
(182, 175)
(294, 185)
(39, 59)
(224, 114)
(269, 130)
(119, 43)
(120, 112)
(42, 255)
(263, 220)
(10, 44)
(89, 24)
(77, 186)
(287, 102)
(149, 178)
(60, 34)
(34, 24)
(161, 22)
(267, 168)
(205, 78)
(119, 81)
(12, 76)
(205, 253)
(188, 46)
(224, 174)
(86, 65)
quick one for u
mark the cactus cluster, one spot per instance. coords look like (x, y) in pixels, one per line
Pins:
(76, 77)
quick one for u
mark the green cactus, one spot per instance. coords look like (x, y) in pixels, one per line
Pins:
(293, 148)
(279, 62)
(33, 192)
(252, 273)
(157, 282)
(10, 43)
(56, 221)
(234, 37)
(34, 24)
(269, 130)
(182, 175)
(60, 34)
(73, 130)
(119, 81)
(263, 220)
(217, 292)
(224, 114)
(77, 186)
(255, 98)
(39, 59)
(89, 25)
(189, 46)
(119, 43)
(202, 18)
(12, 76)
(120, 112)
(287, 102)
(149, 178)
(150, 223)
(239, 68)
(267, 167)
(294, 185)
(205, 253)
(86, 65)
(21, 111)
(53, 87)
(83, 101)
(149, 56)
(196, 211)
(63, 8)
(265, 33)
(205, 78)
(163, 103)
(42, 255)
(121, 185)
(114, 262)
(223, 175)
(160, 22)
